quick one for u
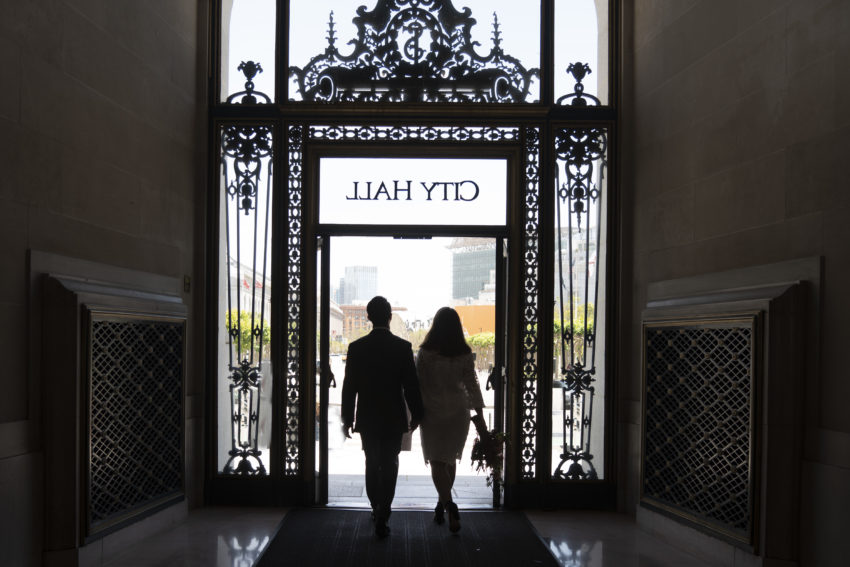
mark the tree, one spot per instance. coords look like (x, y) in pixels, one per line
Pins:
(241, 320)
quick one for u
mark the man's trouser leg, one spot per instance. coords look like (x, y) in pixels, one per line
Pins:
(381, 471)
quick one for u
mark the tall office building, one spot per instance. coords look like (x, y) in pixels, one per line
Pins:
(473, 260)
(360, 283)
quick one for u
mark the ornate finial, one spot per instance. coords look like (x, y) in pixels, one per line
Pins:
(497, 35)
(250, 69)
(579, 71)
(331, 35)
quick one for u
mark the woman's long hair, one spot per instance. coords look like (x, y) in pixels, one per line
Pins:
(446, 334)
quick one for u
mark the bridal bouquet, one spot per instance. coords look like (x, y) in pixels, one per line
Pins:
(488, 451)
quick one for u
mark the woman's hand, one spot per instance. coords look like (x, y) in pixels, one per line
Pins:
(478, 420)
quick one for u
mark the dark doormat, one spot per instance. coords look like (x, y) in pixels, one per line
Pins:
(322, 537)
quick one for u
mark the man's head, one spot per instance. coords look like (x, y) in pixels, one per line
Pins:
(379, 311)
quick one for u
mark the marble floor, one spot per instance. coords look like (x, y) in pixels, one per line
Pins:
(235, 537)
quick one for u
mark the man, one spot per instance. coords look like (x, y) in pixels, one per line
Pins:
(380, 375)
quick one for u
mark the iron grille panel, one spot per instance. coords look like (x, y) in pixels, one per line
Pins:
(292, 458)
(135, 417)
(698, 446)
(414, 133)
(581, 158)
(530, 294)
(247, 154)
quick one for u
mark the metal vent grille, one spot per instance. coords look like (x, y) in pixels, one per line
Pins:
(135, 417)
(698, 421)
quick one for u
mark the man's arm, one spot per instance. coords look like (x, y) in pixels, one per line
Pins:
(412, 394)
(349, 393)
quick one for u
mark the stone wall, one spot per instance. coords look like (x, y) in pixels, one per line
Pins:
(736, 137)
(102, 150)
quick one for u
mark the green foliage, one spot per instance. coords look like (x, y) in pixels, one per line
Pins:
(578, 329)
(577, 325)
(482, 340)
(246, 334)
(483, 345)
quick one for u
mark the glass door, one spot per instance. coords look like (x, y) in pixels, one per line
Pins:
(418, 275)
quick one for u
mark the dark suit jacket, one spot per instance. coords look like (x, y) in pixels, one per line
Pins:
(380, 374)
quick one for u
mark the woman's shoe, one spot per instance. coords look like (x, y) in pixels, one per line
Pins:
(454, 517)
(439, 517)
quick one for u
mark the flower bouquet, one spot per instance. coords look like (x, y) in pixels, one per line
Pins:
(488, 451)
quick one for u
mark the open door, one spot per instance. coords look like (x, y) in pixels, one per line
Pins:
(325, 379)
(418, 275)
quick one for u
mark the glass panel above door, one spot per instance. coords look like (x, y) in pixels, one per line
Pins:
(581, 52)
(414, 51)
(248, 30)
(412, 191)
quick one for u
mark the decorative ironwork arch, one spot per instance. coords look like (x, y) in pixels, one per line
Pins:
(414, 51)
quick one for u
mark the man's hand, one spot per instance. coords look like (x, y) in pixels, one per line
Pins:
(346, 430)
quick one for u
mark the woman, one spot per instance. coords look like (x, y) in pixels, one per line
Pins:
(450, 388)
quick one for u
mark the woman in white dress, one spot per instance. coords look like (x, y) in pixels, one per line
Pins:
(449, 385)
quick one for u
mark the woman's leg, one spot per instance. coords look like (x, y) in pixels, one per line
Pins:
(443, 481)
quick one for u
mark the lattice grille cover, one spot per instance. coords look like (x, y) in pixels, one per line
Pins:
(136, 415)
(698, 414)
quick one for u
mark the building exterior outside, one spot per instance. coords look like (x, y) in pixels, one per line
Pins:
(473, 261)
(360, 283)
(477, 318)
(354, 320)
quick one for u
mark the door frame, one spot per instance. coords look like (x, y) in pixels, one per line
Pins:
(508, 276)
(321, 370)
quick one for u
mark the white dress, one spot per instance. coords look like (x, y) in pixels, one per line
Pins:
(449, 389)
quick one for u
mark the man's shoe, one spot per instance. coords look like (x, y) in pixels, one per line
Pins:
(382, 530)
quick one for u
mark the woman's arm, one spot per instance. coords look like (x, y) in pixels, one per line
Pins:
(472, 387)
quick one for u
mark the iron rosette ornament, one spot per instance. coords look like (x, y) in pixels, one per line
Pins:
(414, 51)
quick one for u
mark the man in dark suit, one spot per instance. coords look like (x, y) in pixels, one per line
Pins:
(380, 375)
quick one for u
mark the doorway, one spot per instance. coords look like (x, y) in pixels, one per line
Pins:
(418, 275)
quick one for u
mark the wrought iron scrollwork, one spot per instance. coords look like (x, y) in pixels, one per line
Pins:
(414, 51)
(246, 159)
(578, 200)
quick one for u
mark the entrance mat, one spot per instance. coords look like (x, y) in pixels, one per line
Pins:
(322, 537)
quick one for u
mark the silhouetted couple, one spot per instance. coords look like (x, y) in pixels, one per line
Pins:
(439, 389)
